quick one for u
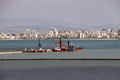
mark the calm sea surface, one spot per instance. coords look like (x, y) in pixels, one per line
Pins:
(61, 69)
(91, 49)
(86, 44)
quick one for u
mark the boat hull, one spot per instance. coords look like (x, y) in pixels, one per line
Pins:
(77, 49)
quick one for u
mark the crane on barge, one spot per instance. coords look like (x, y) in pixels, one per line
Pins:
(63, 48)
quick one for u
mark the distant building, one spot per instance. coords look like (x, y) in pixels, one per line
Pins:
(55, 32)
(30, 34)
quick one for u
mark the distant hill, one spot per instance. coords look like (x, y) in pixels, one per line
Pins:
(43, 26)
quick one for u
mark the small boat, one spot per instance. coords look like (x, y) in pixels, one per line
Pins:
(40, 49)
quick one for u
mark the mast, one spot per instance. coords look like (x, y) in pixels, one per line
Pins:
(60, 43)
(39, 44)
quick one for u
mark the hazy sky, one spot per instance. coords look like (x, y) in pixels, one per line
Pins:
(79, 12)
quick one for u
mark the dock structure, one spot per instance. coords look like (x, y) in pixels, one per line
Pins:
(10, 52)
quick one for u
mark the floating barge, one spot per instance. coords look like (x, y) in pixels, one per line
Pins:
(59, 47)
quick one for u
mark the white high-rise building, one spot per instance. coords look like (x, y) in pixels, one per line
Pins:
(51, 34)
(80, 35)
(55, 32)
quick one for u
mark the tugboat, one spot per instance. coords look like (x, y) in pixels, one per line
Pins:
(63, 48)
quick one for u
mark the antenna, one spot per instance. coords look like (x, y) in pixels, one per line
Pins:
(60, 43)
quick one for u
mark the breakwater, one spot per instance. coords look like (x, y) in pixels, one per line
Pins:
(10, 52)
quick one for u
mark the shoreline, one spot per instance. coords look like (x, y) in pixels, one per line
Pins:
(57, 39)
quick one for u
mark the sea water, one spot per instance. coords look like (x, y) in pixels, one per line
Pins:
(61, 69)
(85, 44)
(91, 49)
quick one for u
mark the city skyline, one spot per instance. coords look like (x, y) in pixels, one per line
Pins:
(79, 14)
(109, 34)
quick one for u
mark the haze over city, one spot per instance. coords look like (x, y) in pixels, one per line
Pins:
(42, 15)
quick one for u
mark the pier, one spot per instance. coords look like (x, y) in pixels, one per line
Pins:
(10, 52)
